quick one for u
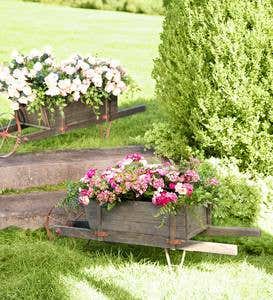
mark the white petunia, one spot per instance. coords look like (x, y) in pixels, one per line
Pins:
(76, 96)
(27, 90)
(110, 86)
(109, 75)
(13, 93)
(90, 73)
(23, 100)
(14, 105)
(38, 67)
(53, 91)
(51, 80)
(83, 88)
(4, 73)
(116, 91)
(114, 64)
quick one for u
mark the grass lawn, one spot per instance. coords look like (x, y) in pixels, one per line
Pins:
(131, 38)
(31, 267)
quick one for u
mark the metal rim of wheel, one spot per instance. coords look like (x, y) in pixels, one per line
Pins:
(10, 134)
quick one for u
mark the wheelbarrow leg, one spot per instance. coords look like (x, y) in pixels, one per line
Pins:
(183, 258)
(168, 258)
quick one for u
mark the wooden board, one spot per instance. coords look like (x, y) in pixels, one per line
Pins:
(138, 217)
(147, 240)
(232, 231)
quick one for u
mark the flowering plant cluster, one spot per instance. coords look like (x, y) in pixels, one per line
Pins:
(134, 179)
(37, 80)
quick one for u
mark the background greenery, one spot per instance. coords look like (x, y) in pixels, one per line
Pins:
(151, 7)
(214, 79)
(130, 38)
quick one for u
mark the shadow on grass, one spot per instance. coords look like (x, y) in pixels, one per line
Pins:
(31, 266)
(109, 289)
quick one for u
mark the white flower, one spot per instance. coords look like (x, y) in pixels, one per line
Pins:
(17, 56)
(97, 80)
(17, 73)
(31, 98)
(38, 66)
(90, 73)
(53, 91)
(27, 90)
(51, 80)
(91, 60)
(121, 85)
(49, 61)
(64, 84)
(76, 96)
(69, 70)
(109, 75)
(83, 65)
(14, 105)
(116, 91)
(180, 189)
(19, 84)
(110, 86)
(84, 88)
(117, 77)
(23, 100)
(13, 93)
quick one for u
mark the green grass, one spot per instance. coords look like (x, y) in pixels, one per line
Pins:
(131, 38)
(31, 267)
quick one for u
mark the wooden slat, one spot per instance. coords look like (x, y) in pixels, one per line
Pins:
(128, 111)
(148, 240)
(232, 231)
(217, 248)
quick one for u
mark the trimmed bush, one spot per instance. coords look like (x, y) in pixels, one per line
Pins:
(152, 7)
(214, 79)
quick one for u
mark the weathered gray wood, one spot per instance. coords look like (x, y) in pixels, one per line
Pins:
(209, 247)
(232, 231)
(134, 216)
(148, 240)
(128, 111)
(196, 220)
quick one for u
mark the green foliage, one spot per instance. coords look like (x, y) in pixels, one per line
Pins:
(214, 79)
(239, 197)
(151, 7)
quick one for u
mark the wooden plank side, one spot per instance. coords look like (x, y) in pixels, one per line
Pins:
(133, 216)
(209, 247)
(232, 231)
(148, 240)
(196, 220)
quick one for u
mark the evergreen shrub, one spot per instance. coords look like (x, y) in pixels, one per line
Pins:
(214, 79)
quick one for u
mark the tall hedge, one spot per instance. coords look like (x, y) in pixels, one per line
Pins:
(214, 78)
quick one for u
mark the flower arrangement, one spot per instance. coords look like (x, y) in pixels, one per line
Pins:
(134, 179)
(37, 80)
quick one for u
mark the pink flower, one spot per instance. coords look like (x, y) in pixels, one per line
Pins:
(184, 188)
(158, 183)
(106, 196)
(84, 197)
(135, 156)
(84, 200)
(172, 186)
(191, 176)
(213, 181)
(90, 173)
(162, 198)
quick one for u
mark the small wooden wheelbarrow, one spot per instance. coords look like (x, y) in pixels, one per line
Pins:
(133, 222)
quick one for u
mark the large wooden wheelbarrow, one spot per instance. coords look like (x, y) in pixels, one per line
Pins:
(133, 222)
(76, 115)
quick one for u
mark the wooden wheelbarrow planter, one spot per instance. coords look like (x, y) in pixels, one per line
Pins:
(76, 115)
(134, 222)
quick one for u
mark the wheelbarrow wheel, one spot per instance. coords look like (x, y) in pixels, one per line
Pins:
(10, 134)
